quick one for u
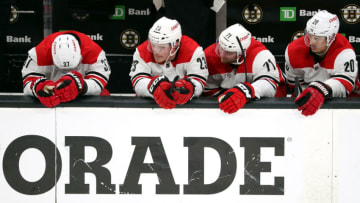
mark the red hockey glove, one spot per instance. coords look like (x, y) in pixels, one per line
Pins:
(183, 92)
(43, 90)
(159, 87)
(235, 98)
(69, 86)
(313, 97)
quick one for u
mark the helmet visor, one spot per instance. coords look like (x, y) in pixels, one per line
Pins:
(158, 48)
(314, 42)
(160, 52)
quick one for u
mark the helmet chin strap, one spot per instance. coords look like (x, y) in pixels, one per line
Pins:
(238, 62)
(171, 54)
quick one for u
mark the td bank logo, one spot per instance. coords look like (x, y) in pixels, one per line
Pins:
(119, 13)
(287, 13)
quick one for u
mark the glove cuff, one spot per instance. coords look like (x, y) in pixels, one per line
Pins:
(247, 89)
(193, 85)
(323, 88)
(39, 84)
(79, 81)
(155, 82)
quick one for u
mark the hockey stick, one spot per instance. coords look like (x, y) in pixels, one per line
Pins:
(297, 89)
(243, 53)
(173, 84)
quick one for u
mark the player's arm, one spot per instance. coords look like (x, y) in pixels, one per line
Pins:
(266, 80)
(97, 76)
(197, 71)
(340, 84)
(193, 84)
(342, 81)
(74, 83)
(35, 82)
(266, 75)
(32, 72)
(140, 74)
(213, 83)
(213, 87)
(146, 85)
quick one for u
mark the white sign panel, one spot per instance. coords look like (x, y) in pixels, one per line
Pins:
(180, 155)
(22, 163)
(346, 155)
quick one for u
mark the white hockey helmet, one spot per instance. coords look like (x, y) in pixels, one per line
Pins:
(66, 52)
(165, 31)
(228, 39)
(323, 24)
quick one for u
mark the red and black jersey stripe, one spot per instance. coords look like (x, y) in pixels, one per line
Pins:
(136, 78)
(100, 79)
(31, 77)
(199, 78)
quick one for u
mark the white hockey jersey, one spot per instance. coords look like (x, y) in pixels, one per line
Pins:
(338, 69)
(93, 66)
(189, 62)
(261, 72)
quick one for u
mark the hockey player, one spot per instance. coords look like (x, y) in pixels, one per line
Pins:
(238, 72)
(323, 62)
(164, 57)
(63, 66)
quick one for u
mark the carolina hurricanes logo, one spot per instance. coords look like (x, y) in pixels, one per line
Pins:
(333, 19)
(174, 27)
(244, 38)
(73, 42)
(54, 47)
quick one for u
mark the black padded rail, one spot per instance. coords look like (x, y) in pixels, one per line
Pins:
(19, 101)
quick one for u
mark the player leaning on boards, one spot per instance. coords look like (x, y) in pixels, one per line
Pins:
(240, 72)
(164, 57)
(63, 66)
(323, 61)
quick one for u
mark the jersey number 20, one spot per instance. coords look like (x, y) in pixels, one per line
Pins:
(349, 66)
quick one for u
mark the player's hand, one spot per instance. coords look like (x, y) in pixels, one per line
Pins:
(183, 91)
(43, 89)
(313, 97)
(159, 87)
(235, 98)
(69, 86)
